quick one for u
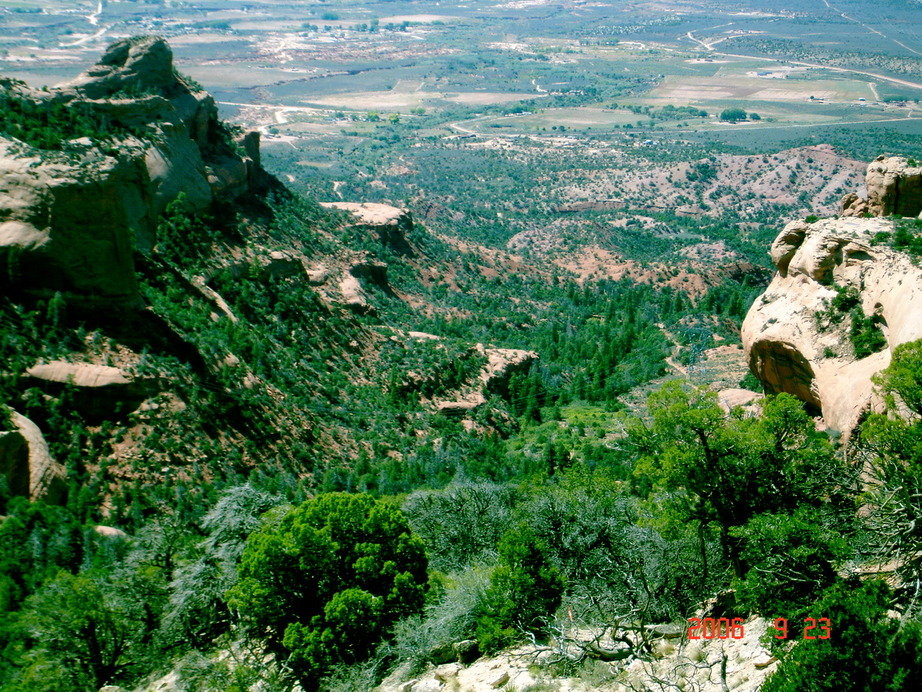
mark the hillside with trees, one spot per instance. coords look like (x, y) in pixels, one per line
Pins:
(249, 441)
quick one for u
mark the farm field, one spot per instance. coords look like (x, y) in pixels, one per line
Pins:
(528, 107)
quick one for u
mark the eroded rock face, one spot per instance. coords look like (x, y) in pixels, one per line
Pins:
(69, 226)
(70, 220)
(894, 186)
(26, 463)
(502, 363)
(493, 378)
(791, 342)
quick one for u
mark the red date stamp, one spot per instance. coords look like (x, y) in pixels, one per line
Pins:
(725, 628)
(719, 628)
(814, 628)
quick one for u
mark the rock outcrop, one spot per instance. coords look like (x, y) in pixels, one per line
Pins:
(798, 342)
(894, 186)
(26, 463)
(71, 219)
(99, 391)
(390, 225)
(500, 365)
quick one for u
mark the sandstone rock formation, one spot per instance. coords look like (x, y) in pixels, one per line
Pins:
(501, 364)
(894, 186)
(27, 464)
(70, 220)
(745, 399)
(391, 225)
(101, 392)
(797, 343)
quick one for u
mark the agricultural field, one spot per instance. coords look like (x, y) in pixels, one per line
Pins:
(542, 124)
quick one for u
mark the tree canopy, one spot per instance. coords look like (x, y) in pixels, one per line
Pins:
(323, 582)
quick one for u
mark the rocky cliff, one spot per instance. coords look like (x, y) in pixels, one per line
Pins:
(846, 292)
(77, 201)
(894, 186)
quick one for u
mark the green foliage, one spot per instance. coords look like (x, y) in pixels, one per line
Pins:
(428, 368)
(49, 124)
(733, 115)
(894, 446)
(903, 377)
(84, 634)
(525, 590)
(846, 299)
(324, 581)
(790, 560)
(183, 236)
(905, 237)
(865, 333)
(867, 649)
(729, 470)
(751, 382)
(36, 540)
(615, 553)
(462, 523)
(197, 612)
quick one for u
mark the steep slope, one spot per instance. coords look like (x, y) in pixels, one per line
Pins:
(171, 313)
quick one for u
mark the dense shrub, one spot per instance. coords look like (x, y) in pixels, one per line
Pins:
(324, 582)
(867, 650)
(733, 115)
(525, 590)
(791, 559)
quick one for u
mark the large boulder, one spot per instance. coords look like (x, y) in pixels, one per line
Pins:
(100, 392)
(894, 186)
(797, 343)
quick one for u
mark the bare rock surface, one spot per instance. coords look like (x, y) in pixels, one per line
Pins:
(26, 462)
(502, 363)
(894, 186)
(353, 295)
(392, 225)
(79, 374)
(746, 399)
(70, 220)
(792, 347)
(713, 665)
(102, 392)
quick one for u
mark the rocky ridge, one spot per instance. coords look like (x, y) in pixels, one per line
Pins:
(837, 278)
(71, 219)
(87, 245)
(894, 186)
